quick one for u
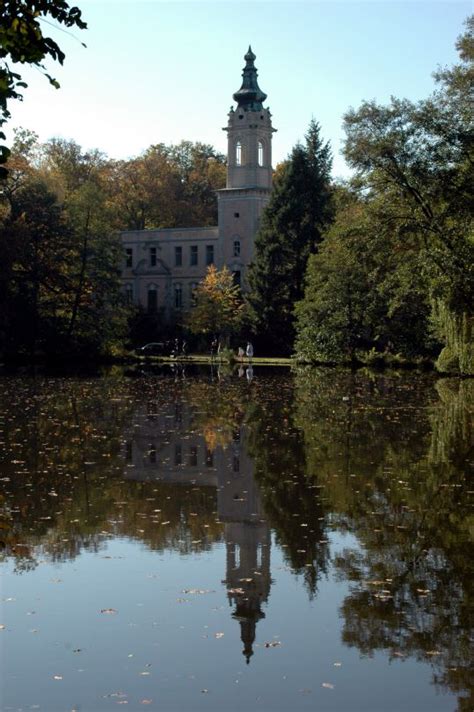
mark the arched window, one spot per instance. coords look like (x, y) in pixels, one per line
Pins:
(129, 293)
(236, 248)
(260, 153)
(238, 153)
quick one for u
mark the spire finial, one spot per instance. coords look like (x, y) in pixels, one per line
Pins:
(250, 96)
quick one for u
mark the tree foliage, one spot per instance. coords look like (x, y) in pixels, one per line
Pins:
(413, 247)
(168, 186)
(60, 288)
(365, 289)
(219, 309)
(299, 210)
(22, 42)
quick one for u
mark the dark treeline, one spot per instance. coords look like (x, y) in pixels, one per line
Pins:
(380, 266)
(61, 209)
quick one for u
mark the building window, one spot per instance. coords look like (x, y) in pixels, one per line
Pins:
(129, 257)
(209, 458)
(193, 453)
(129, 294)
(238, 153)
(237, 277)
(152, 256)
(193, 255)
(209, 254)
(129, 450)
(192, 293)
(260, 153)
(152, 452)
(178, 256)
(178, 455)
(152, 303)
(236, 248)
(178, 296)
(236, 215)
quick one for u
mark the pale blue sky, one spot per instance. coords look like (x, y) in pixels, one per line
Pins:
(164, 71)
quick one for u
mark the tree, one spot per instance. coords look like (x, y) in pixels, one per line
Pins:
(421, 156)
(293, 223)
(219, 309)
(365, 289)
(60, 289)
(22, 41)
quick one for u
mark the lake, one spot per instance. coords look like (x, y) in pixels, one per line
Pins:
(236, 540)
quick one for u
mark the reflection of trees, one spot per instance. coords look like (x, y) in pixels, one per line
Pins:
(62, 486)
(218, 410)
(393, 463)
(385, 458)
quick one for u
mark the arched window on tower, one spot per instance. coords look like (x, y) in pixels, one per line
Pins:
(260, 153)
(238, 153)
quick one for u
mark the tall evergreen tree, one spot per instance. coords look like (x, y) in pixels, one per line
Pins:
(299, 211)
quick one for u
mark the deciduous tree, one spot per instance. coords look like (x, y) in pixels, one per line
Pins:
(219, 309)
(22, 42)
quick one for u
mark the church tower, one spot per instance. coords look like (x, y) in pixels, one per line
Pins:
(249, 173)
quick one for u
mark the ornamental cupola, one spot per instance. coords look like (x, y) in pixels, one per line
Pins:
(249, 97)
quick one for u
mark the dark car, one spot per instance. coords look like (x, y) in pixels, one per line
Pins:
(155, 348)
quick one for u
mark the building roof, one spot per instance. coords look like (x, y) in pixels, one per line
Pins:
(250, 96)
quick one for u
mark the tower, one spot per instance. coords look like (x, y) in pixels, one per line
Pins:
(249, 173)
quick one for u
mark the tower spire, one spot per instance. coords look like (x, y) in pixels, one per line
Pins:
(250, 96)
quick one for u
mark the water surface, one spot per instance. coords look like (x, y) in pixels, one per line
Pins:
(225, 541)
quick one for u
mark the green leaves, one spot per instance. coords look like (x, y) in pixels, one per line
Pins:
(22, 41)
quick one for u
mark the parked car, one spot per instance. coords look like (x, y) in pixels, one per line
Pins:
(154, 348)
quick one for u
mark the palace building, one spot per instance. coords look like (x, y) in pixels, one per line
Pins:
(162, 267)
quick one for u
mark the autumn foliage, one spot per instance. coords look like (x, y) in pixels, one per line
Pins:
(219, 309)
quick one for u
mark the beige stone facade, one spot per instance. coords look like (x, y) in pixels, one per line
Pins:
(161, 268)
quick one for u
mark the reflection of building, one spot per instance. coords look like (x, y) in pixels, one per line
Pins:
(162, 267)
(163, 446)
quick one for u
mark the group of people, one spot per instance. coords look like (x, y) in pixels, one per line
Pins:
(216, 350)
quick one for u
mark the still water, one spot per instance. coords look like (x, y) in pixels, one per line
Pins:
(224, 541)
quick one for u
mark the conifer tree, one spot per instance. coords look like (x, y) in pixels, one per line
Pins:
(299, 210)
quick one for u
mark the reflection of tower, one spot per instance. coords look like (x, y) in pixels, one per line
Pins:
(247, 538)
(162, 445)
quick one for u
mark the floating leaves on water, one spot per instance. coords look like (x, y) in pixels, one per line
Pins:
(108, 611)
(218, 635)
(2, 627)
(198, 591)
(328, 685)
(57, 677)
(272, 644)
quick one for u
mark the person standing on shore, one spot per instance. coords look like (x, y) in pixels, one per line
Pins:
(249, 351)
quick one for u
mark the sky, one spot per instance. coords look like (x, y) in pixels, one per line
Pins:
(160, 72)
